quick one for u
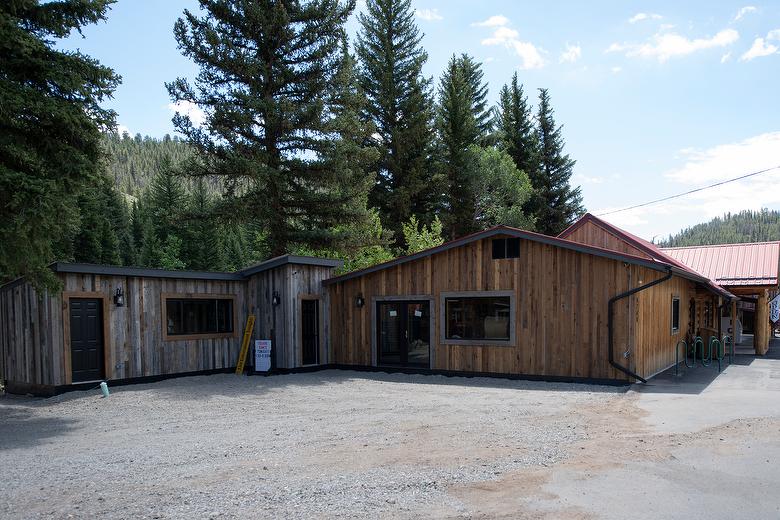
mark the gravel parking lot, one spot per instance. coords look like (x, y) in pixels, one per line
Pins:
(350, 444)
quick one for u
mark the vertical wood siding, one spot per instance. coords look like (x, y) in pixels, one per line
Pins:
(561, 310)
(282, 323)
(594, 235)
(34, 329)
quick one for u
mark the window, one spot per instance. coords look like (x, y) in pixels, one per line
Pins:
(190, 316)
(478, 318)
(675, 314)
(506, 248)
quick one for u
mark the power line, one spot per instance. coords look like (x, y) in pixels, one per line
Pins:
(721, 183)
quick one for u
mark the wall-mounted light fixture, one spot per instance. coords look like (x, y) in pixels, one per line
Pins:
(275, 299)
(359, 300)
(119, 297)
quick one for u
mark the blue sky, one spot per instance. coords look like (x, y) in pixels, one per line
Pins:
(656, 98)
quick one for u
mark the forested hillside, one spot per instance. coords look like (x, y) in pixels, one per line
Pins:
(133, 161)
(745, 226)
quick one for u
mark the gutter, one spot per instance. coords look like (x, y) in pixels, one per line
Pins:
(610, 306)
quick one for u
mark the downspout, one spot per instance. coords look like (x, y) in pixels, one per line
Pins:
(610, 306)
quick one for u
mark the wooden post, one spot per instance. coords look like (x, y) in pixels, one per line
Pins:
(733, 320)
(761, 326)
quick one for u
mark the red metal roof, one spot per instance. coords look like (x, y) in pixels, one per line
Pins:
(733, 264)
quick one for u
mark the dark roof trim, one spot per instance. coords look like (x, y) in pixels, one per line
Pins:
(65, 267)
(290, 259)
(504, 230)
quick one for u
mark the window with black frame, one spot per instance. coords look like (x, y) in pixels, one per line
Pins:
(192, 316)
(675, 315)
(478, 318)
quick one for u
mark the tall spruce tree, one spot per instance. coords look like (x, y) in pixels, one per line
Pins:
(515, 128)
(400, 105)
(268, 70)
(460, 109)
(556, 203)
(50, 123)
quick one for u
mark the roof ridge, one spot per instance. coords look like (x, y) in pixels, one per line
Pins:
(765, 242)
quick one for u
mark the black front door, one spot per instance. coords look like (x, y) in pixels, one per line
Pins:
(86, 339)
(310, 330)
(404, 335)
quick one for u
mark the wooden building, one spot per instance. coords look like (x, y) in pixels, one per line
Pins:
(510, 302)
(703, 306)
(751, 271)
(159, 322)
(593, 304)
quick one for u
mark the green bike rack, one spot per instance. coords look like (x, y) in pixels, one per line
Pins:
(706, 360)
(684, 345)
(719, 351)
(696, 342)
(727, 339)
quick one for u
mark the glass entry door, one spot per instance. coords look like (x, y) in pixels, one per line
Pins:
(404, 333)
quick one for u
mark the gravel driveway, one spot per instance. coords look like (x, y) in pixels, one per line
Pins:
(371, 445)
(322, 444)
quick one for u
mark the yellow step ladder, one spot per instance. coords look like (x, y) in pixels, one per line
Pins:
(250, 324)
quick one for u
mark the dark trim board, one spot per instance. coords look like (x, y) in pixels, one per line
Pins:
(50, 391)
(12, 387)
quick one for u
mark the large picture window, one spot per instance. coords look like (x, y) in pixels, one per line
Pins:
(198, 316)
(478, 318)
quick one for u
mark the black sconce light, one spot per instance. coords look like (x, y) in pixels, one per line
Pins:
(119, 297)
(275, 300)
(359, 300)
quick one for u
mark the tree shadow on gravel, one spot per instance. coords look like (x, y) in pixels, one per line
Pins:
(21, 428)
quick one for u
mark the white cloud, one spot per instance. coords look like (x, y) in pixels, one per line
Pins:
(187, 108)
(429, 15)
(584, 179)
(726, 57)
(530, 55)
(773, 35)
(638, 17)
(728, 160)
(745, 10)
(571, 54)
(122, 129)
(497, 20)
(760, 48)
(701, 168)
(615, 70)
(664, 46)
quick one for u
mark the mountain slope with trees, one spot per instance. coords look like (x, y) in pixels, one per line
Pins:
(745, 226)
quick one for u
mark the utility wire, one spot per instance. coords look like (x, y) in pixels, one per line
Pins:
(721, 183)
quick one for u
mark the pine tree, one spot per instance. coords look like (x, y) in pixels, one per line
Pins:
(399, 105)
(555, 202)
(474, 78)
(268, 72)
(461, 122)
(50, 122)
(515, 128)
(136, 232)
(203, 249)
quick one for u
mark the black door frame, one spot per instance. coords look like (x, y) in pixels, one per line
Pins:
(104, 327)
(318, 322)
(375, 319)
